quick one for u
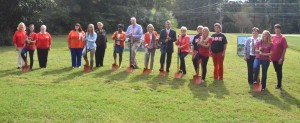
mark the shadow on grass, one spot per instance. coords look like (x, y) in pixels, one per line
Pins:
(71, 76)
(267, 97)
(289, 98)
(9, 72)
(177, 83)
(57, 71)
(218, 88)
(140, 77)
(156, 81)
(102, 73)
(120, 76)
(199, 91)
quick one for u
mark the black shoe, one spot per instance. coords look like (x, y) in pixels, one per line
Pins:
(168, 71)
(277, 87)
(18, 67)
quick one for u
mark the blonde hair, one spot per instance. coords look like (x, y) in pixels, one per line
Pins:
(183, 28)
(205, 29)
(269, 39)
(150, 25)
(93, 30)
(19, 25)
(100, 23)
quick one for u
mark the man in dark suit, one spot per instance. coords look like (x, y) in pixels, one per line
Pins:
(167, 38)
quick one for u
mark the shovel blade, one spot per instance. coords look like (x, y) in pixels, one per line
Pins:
(178, 75)
(129, 70)
(114, 67)
(146, 71)
(25, 68)
(162, 73)
(197, 80)
(256, 87)
(87, 69)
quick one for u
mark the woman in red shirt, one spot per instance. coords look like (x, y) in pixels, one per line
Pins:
(183, 44)
(204, 50)
(30, 46)
(19, 42)
(43, 45)
(150, 38)
(75, 42)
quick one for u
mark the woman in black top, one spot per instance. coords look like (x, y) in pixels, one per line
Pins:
(195, 57)
(101, 45)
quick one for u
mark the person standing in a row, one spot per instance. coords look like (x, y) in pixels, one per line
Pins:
(19, 42)
(195, 57)
(263, 50)
(278, 53)
(183, 44)
(134, 32)
(119, 37)
(43, 45)
(150, 39)
(101, 44)
(218, 49)
(30, 46)
(249, 53)
(75, 42)
(90, 46)
(167, 38)
(204, 46)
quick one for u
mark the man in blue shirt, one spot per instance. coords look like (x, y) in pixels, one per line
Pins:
(134, 32)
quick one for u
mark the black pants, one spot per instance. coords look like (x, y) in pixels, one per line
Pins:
(163, 59)
(182, 61)
(250, 62)
(24, 56)
(278, 70)
(203, 64)
(43, 56)
(99, 56)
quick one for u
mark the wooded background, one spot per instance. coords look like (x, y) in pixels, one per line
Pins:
(236, 17)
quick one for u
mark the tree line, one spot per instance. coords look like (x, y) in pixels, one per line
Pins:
(236, 17)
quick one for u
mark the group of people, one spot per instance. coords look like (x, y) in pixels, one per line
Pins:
(26, 41)
(262, 51)
(257, 51)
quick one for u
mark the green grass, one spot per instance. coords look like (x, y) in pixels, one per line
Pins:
(293, 42)
(63, 94)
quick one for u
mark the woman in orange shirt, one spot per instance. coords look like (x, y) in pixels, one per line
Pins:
(183, 44)
(119, 37)
(43, 45)
(150, 38)
(75, 44)
(19, 42)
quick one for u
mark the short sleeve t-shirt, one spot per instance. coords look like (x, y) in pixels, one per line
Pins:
(204, 51)
(279, 44)
(265, 48)
(218, 42)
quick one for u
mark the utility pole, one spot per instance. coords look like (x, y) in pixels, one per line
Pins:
(220, 11)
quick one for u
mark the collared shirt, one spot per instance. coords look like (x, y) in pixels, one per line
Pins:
(252, 45)
(138, 31)
(91, 41)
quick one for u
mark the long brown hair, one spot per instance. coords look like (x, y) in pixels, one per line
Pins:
(80, 29)
(93, 30)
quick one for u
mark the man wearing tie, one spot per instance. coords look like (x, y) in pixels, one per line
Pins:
(134, 32)
(167, 37)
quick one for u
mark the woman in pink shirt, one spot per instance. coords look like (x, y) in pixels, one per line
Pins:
(279, 48)
(263, 51)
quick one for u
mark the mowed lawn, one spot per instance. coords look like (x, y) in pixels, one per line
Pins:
(62, 94)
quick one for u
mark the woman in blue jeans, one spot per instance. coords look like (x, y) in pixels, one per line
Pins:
(263, 51)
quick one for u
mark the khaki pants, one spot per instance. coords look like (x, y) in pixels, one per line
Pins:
(148, 53)
(134, 48)
(20, 61)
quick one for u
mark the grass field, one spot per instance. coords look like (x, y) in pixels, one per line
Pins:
(63, 94)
